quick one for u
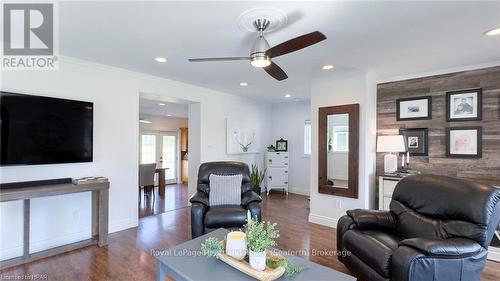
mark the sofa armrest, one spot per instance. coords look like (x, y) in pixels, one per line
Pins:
(198, 211)
(249, 197)
(199, 197)
(411, 264)
(452, 247)
(372, 219)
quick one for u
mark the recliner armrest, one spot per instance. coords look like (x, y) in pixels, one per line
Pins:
(249, 197)
(452, 247)
(199, 197)
(372, 219)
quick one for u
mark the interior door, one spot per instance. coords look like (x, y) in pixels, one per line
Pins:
(161, 148)
(168, 156)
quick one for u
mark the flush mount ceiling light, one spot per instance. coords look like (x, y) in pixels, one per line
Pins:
(287, 95)
(161, 104)
(145, 121)
(168, 115)
(243, 84)
(493, 32)
(160, 59)
(327, 67)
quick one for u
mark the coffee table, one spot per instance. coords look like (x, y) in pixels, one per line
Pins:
(184, 262)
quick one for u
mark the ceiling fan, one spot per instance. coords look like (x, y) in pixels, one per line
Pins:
(261, 54)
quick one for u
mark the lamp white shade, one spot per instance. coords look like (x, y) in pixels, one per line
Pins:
(391, 144)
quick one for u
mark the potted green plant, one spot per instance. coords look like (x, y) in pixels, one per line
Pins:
(271, 148)
(260, 236)
(257, 177)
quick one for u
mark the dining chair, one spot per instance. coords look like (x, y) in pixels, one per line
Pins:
(147, 177)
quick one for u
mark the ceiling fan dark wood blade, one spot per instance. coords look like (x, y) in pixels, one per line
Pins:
(296, 44)
(276, 72)
(219, 59)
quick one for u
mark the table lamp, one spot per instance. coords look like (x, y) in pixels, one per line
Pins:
(391, 144)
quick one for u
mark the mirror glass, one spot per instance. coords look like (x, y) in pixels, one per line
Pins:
(337, 150)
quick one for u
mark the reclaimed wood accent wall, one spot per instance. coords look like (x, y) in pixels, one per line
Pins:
(486, 169)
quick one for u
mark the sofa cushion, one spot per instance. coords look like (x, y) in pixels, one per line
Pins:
(225, 216)
(225, 190)
(375, 248)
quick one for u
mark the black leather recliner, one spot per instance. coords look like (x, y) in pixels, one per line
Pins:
(438, 228)
(205, 218)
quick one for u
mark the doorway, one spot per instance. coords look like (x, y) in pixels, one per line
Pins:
(163, 146)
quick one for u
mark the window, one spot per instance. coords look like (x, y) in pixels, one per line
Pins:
(148, 149)
(340, 139)
(307, 137)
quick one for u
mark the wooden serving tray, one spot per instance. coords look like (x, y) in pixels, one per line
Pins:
(267, 274)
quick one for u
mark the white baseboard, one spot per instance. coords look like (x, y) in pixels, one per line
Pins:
(298, 191)
(37, 246)
(123, 224)
(323, 220)
(494, 254)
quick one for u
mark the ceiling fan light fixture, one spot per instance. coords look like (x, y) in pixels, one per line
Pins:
(493, 32)
(260, 62)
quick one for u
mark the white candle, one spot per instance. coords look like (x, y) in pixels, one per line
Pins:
(408, 157)
(249, 216)
(236, 245)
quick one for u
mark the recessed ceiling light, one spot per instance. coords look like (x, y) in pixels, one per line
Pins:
(169, 115)
(145, 121)
(492, 32)
(243, 84)
(287, 95)
(161, 104)
(327, 67)
(160, 59)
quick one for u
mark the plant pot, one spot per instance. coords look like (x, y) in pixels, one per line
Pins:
(257, 260)
(257, 190)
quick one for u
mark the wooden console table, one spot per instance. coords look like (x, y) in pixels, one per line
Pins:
(99, 217)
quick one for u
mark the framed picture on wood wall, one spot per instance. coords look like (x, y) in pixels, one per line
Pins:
(464, 142)
(416, 141)
(464, 105)
(418, 108)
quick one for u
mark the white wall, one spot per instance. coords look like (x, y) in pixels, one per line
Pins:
(359, 87)
(288, 123)
(115, 94)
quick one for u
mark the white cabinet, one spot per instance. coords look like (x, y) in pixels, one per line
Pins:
(386, 185)
(277, 171)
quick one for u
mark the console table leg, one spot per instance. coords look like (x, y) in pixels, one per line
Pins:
(103, 218)
(26, 228)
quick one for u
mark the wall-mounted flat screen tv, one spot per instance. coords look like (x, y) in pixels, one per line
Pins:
(41, 130)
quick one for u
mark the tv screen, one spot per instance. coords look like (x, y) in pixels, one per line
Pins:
(42, 130)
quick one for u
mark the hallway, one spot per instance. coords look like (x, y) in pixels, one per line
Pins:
(176, 197)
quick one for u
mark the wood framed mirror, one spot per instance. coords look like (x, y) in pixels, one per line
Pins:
(338, 150)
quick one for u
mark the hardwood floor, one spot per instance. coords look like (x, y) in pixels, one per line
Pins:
(127, 257)
(175, 197)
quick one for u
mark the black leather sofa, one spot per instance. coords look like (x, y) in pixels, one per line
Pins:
(205, 218)
(438, 228)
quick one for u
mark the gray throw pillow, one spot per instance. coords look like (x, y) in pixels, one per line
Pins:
(225, 190)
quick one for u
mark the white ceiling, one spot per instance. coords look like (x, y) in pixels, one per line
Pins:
(153, 107)
(390, 38)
